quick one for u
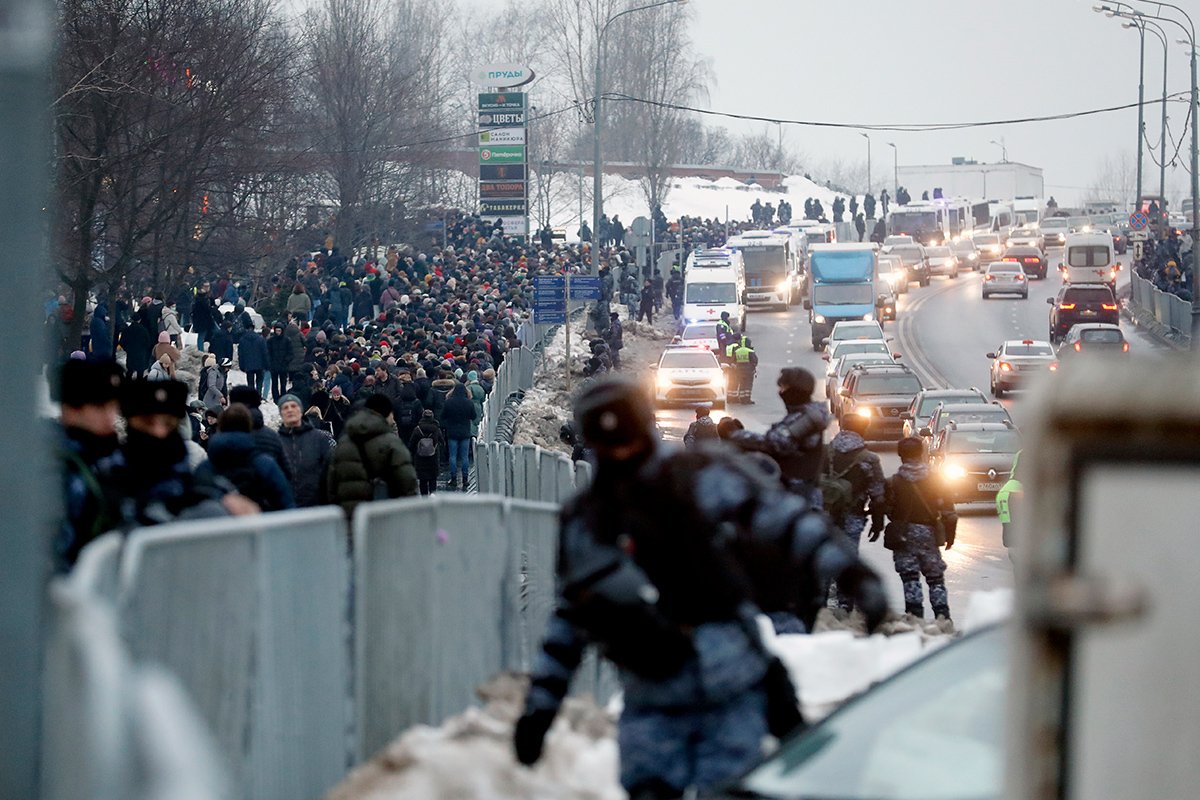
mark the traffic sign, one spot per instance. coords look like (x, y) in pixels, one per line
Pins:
(549, 316)
(585, 287)
(1137, 251)
(1139, 220)
(1139, 236)
(549, 282)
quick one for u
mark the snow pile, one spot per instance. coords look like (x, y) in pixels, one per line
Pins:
(691, 196)
(470, 756)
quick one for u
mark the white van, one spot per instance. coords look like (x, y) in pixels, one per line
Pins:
(1089, 258)
(715, 281)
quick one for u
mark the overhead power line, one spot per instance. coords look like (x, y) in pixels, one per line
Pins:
(897, 127)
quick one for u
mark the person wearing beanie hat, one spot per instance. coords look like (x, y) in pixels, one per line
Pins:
(478, 396)
(427, 442)
(706, 594)
(370, 462)
(166, 348)
(87, 393)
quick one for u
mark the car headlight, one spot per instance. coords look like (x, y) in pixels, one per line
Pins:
(869, 316)
(818, 318)
(717, 381)
(664, 382)
(954, 472)
(863, 411)
(783, 287)
(973, 256)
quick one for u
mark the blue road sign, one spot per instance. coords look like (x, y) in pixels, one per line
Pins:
(585, 288)
(540, 281)
(549, 316)
(1139, 220)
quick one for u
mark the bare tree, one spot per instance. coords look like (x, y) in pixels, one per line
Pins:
(159, 102)
(1116, 178)
(380, 95)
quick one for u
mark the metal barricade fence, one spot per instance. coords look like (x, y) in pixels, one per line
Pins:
(251, 614)
(112, 729)
(1171, 311)
(449, 591)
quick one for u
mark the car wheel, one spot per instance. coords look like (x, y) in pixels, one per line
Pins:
(924, 281)
(1025, 296)
(998, 393)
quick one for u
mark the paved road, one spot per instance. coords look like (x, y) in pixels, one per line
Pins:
(943, 332)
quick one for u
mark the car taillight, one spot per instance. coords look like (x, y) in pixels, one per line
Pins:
(1125, 347)
(1020, 276)
(1067, 307)
(1079, 347)
(1031, 261)
(989, 277)
(1054, 366)
(1009, 258)
(1005, 366)
(1109, 306)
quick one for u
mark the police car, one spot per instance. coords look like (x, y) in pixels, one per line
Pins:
(689, 375)
(1017, 361)
(700, 334)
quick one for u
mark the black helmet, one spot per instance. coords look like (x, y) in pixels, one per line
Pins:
(614, 411)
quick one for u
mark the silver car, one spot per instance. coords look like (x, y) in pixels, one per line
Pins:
(942, 261)
(1005, 277)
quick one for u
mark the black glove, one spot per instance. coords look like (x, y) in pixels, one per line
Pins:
(876, 529)
(783, 709)
(530, 735)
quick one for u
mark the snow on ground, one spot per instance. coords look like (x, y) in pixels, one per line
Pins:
(469, 757)
(693, 197)
(548, 404)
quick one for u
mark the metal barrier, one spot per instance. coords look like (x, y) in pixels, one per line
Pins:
(113, 730)
(515, 375)
(251, 614)
(528, 472)
(1171, 311)
(450, 591)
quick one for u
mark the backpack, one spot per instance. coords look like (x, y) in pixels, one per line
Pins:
(407, 416)
(837, 491)
(426, 446)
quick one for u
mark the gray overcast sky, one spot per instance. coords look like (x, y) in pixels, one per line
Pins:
(883, 61)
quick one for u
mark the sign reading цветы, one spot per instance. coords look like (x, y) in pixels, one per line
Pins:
(502, 76)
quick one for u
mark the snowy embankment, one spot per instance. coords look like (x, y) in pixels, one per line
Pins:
(693, 197)
(469, 757)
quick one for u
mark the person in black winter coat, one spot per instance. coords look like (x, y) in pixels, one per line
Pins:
(221, 344)
(646, 309)
(204, 315)
(408, 410)
(232, 455)
(306, 450)
(426, 443)
(253, 358)
(278, 355)
(137, 345)
(457, 416)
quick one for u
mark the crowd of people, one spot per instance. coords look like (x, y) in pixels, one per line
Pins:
(1167, 263)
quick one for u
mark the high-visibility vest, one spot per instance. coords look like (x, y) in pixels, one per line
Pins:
(742, 354)
(1002, 507)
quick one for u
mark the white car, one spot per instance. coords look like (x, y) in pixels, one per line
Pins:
(689, 375)
(853, 329)
(1005, 277)
(700, 334)
(840, 349)
(891, 271)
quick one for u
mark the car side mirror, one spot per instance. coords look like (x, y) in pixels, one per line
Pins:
(825, 341)
(654, 366)
(807, 304)
(897, 356)
(906, 415)
(1049, 301)
(926, 432)
(991, 355)
(825, 356)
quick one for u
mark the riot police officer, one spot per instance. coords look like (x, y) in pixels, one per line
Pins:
(654, 566)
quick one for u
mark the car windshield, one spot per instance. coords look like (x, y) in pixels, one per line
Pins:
(1054, 223)
(995, 269)
(1028, 350)
(888, 384)
(963, 246)
(1005, 441)
(844, 332)
(706, 331)
(908, 253)
(861, 358)
(951, 704)
(928, 404)
(1080, 295)
(867, 346)
(938, 252)
(1104, 335)
(1090, 255)
(987, 238)
(688, 359)
(711, 293)
(1024, 234)
(983, 412)
(844, 294)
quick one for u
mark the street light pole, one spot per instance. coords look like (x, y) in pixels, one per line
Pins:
(598, 120)
(895, 167)
(869, 184)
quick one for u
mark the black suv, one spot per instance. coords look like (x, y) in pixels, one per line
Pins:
(1081, 302)
(881, 393)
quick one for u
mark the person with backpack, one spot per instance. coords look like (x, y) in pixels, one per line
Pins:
(407, 409)
(853, 478)
(457, 416)
(702, 430)
(478, 395)
(921, 520)
(234, 456)
(426, 444)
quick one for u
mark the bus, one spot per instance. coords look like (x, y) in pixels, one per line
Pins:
(926, 222)
(772, 268)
